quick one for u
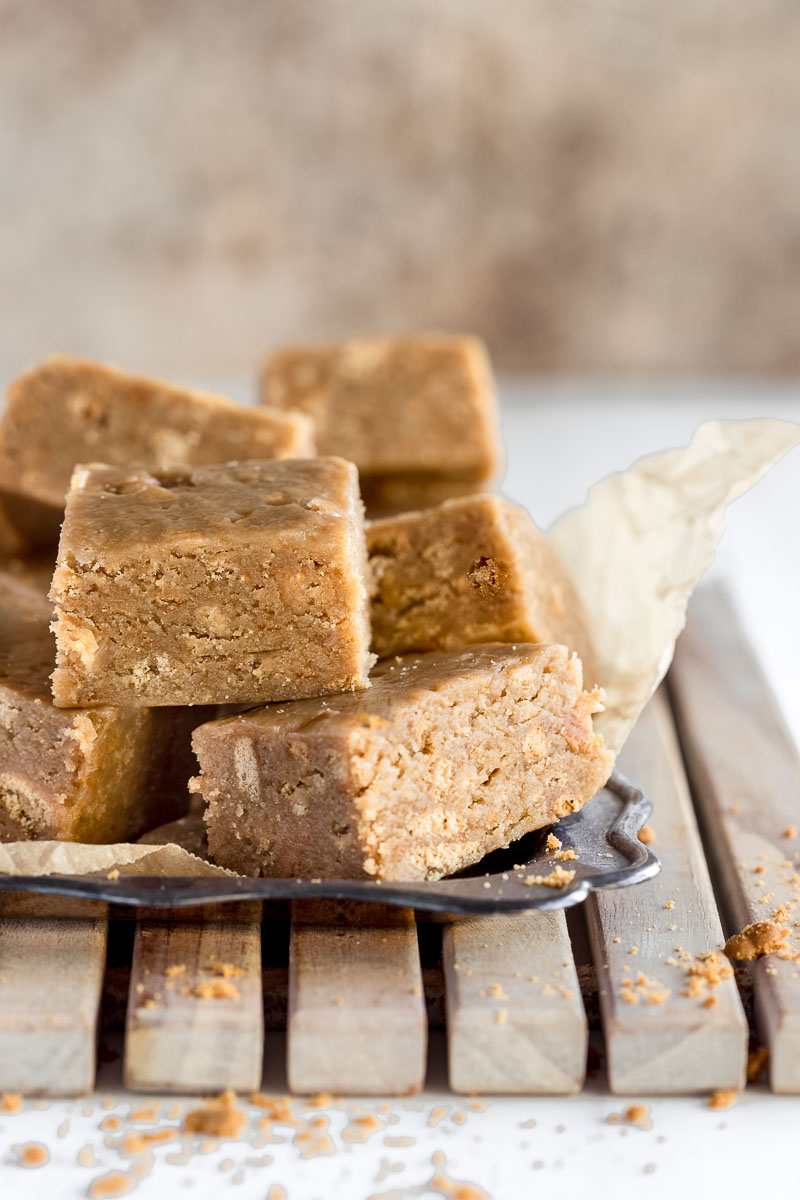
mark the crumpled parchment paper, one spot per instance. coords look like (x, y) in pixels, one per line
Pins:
(636, 549)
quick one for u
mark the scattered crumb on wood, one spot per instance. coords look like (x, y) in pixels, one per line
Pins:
(790, 831)
(757, 1062)
(225, 969)
(213, 989)
(756, 940)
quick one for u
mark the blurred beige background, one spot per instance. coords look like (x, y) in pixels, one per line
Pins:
(608, 186)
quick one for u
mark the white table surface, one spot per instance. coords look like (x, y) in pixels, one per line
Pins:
(560, 439)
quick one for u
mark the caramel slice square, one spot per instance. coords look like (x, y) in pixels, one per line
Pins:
(67, 411)
(104, 775)
(446, 757)
(469, 571)
(232, 584)
(410, 412)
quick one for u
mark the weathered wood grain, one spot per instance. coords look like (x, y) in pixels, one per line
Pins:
(51, 975)
(356, 1021)
(745, 774)
(515, 1018)
(180, 1036)
(658, 1039)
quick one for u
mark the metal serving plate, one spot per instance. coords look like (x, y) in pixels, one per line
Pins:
(603, 834)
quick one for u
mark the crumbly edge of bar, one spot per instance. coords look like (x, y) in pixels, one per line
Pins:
(525, 755)
(78, 590)
(444, 609)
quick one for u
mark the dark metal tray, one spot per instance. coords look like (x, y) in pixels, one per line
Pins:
(603, 834)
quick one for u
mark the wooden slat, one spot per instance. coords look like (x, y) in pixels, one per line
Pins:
(356, 1020)
(178, 1040)
(678, 1044)
(745, 774)
(515, 1018)
(51, 975)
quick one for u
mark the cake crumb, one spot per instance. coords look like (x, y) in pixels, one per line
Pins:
(557, 878)
(219, 1118)
(115, 1183)
(670, 904)
(320, 1100)
(757, 1061)
(495, 990)
(647, 835)
(790, 831)
(176, 969)
(638, 1114)
(634, 1114)
(10, 1102)
(225, 969)
(113, 875)
(500, 1016)
(756, 940)
(722, 1098)
(213, 989)
(32, 1154)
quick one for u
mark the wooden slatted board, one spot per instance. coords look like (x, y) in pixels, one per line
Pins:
(195, 1018)
(660, 1039)
(356, 1018)
(745, 772)
(52, 956)
(515, 1019)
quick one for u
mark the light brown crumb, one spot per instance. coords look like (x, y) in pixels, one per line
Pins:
(495, 990)
(225, 969)
(141, 1115)
(213, 989)
(32, 1154)
(722, 1098)
(757, 1061)
(137, 1143)
(633, 950)
(176, 969)
(637, 1114)
(501, 1016)
(112, 875)
(111, 1124)
(320, 1100)
(647, 835)
(553, 843)
(10, 1102)
(219, 1118)
(710, 1002)
(790, 831)
(670, 904)
(756, 940)
(634, 1114)
(557, 878)
(115, 1183)
(279, 1108)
